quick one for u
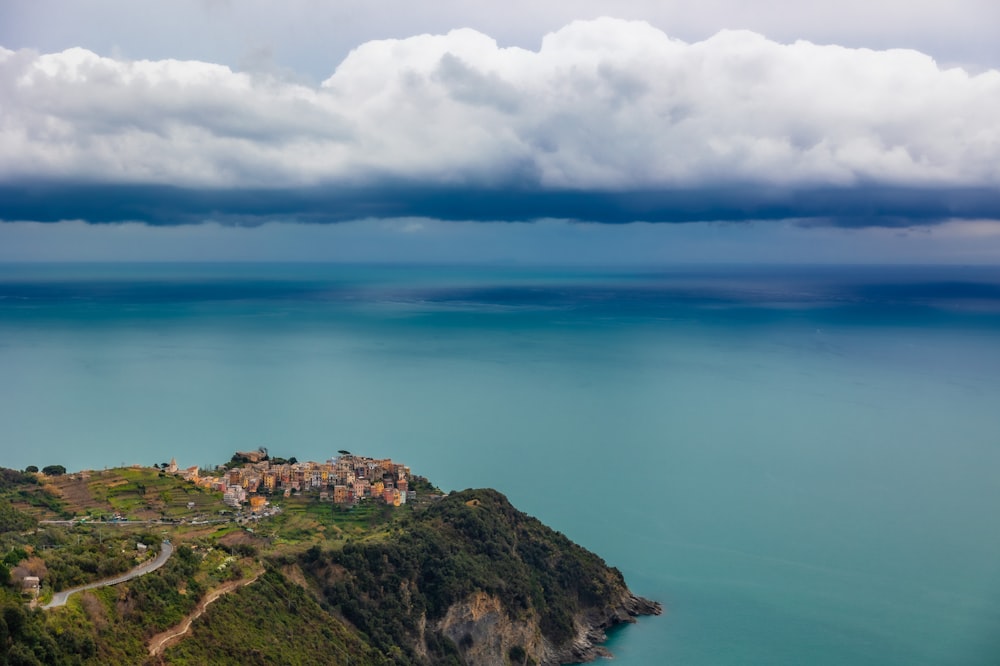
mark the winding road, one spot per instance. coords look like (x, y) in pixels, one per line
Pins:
(166, 550)
(164, 640)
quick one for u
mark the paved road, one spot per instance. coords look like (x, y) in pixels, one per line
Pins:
(166, 550)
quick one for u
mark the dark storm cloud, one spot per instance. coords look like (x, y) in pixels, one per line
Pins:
(609, 121)
(162, 205)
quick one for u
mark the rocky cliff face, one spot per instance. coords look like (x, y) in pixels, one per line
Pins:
(486, 635)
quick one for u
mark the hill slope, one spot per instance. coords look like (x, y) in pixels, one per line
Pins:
(473, 580)
(464, 579)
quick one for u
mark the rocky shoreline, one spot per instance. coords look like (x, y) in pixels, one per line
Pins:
(588, 645)
(486, 633)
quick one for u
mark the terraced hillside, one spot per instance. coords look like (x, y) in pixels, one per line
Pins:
(134, 493)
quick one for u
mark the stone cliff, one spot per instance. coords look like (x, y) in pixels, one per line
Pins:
(486, 635)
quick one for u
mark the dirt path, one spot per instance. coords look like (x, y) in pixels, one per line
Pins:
(163, 640)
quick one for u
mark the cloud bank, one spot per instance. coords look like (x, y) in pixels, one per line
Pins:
(609, 120)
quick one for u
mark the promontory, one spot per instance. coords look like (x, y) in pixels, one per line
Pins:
(351, 561)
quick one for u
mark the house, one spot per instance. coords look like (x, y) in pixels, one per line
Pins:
(392, 496)
(31, 585)
(234, 496)
(190, 474)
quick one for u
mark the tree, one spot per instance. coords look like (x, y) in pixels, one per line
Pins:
(344, 452)
(30, 469)
(517, 654)
(53, 470)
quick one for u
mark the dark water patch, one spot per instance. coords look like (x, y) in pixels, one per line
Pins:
(740, 295)
(930, 293)
(156, 291)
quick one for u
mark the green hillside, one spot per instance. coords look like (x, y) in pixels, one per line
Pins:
(435, 581)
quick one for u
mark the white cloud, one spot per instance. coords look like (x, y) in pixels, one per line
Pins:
(307, 37)
(604, 104)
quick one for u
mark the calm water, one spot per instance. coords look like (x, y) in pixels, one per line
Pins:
(802, 465)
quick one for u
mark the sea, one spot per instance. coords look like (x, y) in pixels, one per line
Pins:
(802, 463)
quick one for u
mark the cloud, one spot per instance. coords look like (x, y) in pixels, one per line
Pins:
(308, 37)
(167, 205)
(608, 120)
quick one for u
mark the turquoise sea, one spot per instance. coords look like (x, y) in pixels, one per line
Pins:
(802, 464)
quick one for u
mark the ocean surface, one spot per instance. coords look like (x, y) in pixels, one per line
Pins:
(802, 464)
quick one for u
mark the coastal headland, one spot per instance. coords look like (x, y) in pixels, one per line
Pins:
(354, 560)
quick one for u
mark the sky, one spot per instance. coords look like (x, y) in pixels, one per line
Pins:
(629, 132)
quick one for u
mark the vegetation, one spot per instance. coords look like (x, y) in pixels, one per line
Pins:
(12, 520)
(26, 638)
(371, 582)
(71, 558)
(289, 627)
(11, 478)
(470, 541)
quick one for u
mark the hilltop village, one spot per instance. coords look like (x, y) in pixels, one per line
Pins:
(251, 477)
